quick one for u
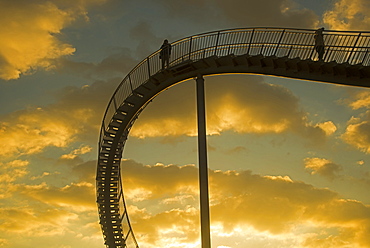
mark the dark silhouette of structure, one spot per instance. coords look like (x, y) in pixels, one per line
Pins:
(281, 52)
(319, 43)
(165, 54)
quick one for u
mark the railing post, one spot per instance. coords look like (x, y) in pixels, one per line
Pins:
(281, 37)
(291, 47)
(191, 41)
(147, 60)
(353, 48)
(129, 79)
(312, 51)
(250, 41)
(326, 54)
(363, 60)
(218, 35)
(114, 102)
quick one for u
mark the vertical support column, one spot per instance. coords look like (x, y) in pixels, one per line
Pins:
(203, 167)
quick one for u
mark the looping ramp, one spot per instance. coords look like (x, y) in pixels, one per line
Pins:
(267, 51)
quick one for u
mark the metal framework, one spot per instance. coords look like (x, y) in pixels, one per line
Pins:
(270, 51)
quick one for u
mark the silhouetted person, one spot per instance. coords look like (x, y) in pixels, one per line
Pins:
(165, 54)
(319, 43)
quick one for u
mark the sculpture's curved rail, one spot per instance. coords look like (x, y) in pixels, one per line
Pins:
(269, 51)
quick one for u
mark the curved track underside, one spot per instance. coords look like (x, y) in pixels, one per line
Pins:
(264, 51)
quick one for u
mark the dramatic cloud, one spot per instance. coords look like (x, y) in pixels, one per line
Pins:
(361, 100)
(13, 170)
(76, 196)
(357, 133)
(47, 213)
(76, 115)
(358, 128)
(276, 205)
(322, 166)
(172, 228)
(39, 128)
(39, 222)
(348, 15)
(246, 105)
(10, 172)
(76, 152)
(47, 192)
(48, 226)
(30, 33)
(328, 127)
(139, 179)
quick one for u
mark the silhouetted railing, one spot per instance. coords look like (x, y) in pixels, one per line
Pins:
(340, 46)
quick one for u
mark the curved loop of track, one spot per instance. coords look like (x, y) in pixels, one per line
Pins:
(267, 51)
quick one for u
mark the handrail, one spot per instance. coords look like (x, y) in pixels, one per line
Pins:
(341, 46)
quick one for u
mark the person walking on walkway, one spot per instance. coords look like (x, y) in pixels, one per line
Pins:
(165, 54)
(319, 43)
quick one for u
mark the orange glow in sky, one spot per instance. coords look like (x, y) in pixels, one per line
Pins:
(289, 160)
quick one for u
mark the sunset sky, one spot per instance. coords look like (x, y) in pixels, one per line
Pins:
(289, 160)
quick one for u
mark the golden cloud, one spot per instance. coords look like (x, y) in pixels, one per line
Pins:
(78, 197)
(358, 135)
(246, 105)
(34, 222)
(361, 100)
(163, 207)
(348, 15)
(328, 127)
(276, 205)
(357, 131)
(47, 226)
(138, 180)
(29, 131)
(180, 227)
(75, 116)
(44, 174)
(79, 151)
(15, 164)
(322, 166)
(42, 212)
(29, 34)
(13, 170)
(4, 243)
(10, 172)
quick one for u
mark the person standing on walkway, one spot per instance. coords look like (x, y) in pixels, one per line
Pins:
(165, 54)
(319, 43)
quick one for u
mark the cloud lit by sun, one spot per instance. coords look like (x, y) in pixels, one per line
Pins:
(288, 159)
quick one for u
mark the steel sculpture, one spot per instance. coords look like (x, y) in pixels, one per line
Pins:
(279, 52)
